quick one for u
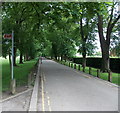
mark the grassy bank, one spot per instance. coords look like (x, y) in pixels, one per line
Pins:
(21, 72)
(104, 76)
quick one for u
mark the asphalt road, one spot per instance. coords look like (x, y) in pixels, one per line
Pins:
(65, 89)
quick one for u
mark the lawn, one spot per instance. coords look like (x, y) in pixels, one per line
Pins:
(21, 72)
(104, 76)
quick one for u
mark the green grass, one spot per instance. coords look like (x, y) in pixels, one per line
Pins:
(20, 73)
(104, 76)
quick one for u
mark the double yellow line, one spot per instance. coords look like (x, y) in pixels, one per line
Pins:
(43, 100)
(43, 96)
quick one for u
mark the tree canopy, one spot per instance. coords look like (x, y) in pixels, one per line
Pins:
(57, 29)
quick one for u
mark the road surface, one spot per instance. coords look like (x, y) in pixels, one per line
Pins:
(65, 89)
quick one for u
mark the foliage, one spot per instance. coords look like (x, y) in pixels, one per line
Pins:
(55, 29)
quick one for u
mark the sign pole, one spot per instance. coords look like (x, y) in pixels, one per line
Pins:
(13, 82)
(12, 76)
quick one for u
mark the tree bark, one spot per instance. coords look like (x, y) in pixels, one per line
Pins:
(104, 45)
(84, 56)
(55, 57)
(27, 57)
(84, 38)
(10, 61)
(105, 58)
(61, 57)
(14, 58)
(21, 59)
(24, 58)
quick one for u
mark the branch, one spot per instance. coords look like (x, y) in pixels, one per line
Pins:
(81, 28)
(111, 16)
(36, 12)
(115, 21)
(22, 12)
(100, 27)
(109, 30)
(87, 27)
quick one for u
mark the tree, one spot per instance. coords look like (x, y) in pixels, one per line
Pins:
(112, 19)
(83, 15)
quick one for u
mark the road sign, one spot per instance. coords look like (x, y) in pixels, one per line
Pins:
(7, 36)
(11, 36)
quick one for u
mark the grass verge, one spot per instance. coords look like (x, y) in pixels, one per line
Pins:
(21, 72)
(104, 76)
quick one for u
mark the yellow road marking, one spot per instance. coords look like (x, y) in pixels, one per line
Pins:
(44, 77)
(43, 102)
(49, 104)
(83, 74)
(48, 98)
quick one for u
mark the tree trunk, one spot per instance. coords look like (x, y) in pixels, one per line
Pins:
(21, 60)
(84, 38)
(104, 43)
(24, 58)
(84, 52)
(61, 57)
(65, 57)
(105, 66)
(58, 58)
(10, 61)
(55, 57)
(27, 57)
(84, 61)
(14, 58)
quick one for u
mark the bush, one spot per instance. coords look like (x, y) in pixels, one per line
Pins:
(96, 63)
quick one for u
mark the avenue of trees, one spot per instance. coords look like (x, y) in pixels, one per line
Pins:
(56, 29)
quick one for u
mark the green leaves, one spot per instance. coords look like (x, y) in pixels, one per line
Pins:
(48, 27)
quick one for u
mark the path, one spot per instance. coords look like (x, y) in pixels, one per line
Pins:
(62, 88)
(66, 89)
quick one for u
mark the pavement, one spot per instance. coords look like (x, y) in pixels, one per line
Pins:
(62, 88)
(66, 89)
(19, 102)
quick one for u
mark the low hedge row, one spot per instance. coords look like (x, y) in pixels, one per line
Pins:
(96, 63)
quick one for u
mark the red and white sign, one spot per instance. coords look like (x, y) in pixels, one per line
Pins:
(7, 36)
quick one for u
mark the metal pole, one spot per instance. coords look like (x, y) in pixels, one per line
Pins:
(12, 76)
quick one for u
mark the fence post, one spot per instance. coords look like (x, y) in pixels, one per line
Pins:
(98, 73)
(83, 69)
(90, 69)
(110, 76)
(79, 67)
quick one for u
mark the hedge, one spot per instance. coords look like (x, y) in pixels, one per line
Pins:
(96, 63)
